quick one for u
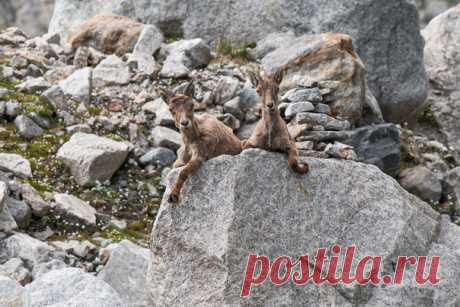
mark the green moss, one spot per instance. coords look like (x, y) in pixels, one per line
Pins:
(8, 84)
(226, 49)
(94, 111)
(427, 117)
(116, 234)
(115, 137)
(31, 103)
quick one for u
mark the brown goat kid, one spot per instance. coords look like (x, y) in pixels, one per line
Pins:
(204, 137)
(271, 132)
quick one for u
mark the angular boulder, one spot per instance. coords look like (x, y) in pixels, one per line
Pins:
(78, 85)
(386, 33)
(15, 164)
(75, 210)
(126, 272)
(92, 158)
(11, 293)
(111, 71)
(72, 287)
(442, 61)
(254, 203)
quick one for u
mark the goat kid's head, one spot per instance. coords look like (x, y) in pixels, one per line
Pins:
(268, 88)
(181, 107)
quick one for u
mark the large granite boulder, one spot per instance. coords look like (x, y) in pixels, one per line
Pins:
(386, 33)
(254, 203)
(442, 61)
(72, 287)
(92, 158)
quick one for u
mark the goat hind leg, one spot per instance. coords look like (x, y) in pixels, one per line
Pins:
(293, 161)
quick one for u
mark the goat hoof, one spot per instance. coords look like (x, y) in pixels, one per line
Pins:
(173, 198)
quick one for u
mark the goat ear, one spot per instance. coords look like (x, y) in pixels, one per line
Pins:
(254, 78)
(278, 76)
(190, 90)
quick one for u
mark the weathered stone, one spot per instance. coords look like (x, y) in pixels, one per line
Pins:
(158, 156)
(165, 137)
(226, 90)
(33, 85)
(111, 71)
(107, 33)
(379, 145)
(20, 212)
(422, 182)
(12, 108)
(32, 198)
(442, 62)
(72, 287)
(27, 128)
(126, 272)
(328, 57)
(270, 43)
(451, 185)
(15, 164)
(341, 151)
(75, 210)
(184, 56)
(197, 239)
(298, 107)
(234, 107)
(15, 269)
(324, 120)
(11, 293)
(323, 108)
(78, 85)
(92, 158)
(7, 222)
(159, 107)
(303, 94)
(149, 41)
(78, 128)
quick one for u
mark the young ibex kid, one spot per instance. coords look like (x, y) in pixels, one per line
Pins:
(271, 132)
(203, 136)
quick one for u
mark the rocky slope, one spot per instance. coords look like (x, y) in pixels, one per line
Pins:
(87, 141)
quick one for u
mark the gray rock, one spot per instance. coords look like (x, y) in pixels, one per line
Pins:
(55, 95)
(12, 108)
(78, 85)
(126, 272)
(158, 156)
(324, 120)
(298, 107)
(184, 56)
(226, 90)
(442, 61)
(82, 128)
(451, 184)
(72, 287)
(15, 164)
(323, 108)
(143, 63)
(160, 108)
(249, 99)
(7, 222)
(111, 71)
(234, 107)
(28, 249)
(33, 85)
(422, 182)
(271, 42)
(75, 211)
(197, 239)
(165, 137)
(303, 94)
(149, 41)
(341, 151)
(15, 269)
(20, 212)
(92, 158)
(80, 249)
(27, 128)
(3, 194)
(379, 145)
(40, 120)
(11, 293)
(32, 198)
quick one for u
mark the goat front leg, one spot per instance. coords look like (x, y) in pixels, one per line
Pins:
(192, 166)
(293, 160)
(182, 157)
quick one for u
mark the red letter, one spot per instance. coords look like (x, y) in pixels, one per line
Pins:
(319, 261)
(401, 266)
(275, 269)
(432, 275)
(331, 271)
(249, 275)
(346, 269)
(374, 273)
(304, 269)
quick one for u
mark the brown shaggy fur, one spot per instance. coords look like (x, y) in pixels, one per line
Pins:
(271, 132)
(107, 33)
(204, 137)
